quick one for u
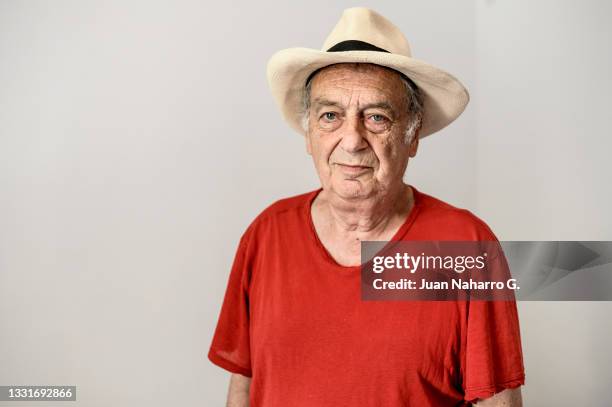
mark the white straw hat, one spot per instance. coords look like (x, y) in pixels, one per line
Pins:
(362, 35)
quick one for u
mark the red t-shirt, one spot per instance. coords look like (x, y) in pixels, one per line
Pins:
(293, 320)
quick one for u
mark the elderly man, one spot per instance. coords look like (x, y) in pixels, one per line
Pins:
(293, 329)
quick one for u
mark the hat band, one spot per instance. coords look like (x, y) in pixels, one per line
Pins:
(355, 45)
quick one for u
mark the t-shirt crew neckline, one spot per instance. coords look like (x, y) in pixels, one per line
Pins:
(327, 257)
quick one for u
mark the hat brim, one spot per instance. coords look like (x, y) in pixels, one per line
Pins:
(444, 96)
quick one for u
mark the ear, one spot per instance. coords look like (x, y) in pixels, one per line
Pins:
(414, 145)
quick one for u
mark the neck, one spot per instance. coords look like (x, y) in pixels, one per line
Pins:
(369, 217)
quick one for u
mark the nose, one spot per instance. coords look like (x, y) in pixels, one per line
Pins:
(353, 135)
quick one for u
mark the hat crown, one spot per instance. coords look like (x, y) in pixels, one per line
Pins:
(362, 24)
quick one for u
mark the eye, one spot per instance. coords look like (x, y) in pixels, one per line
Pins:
(377, 123)
(378, 118)
(329, 116)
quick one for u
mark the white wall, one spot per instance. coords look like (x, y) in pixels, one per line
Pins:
(543, 101)
(138, 139)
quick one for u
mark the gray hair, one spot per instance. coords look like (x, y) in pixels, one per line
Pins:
(414, 99)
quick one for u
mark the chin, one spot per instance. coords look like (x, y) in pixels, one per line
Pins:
(351, 189)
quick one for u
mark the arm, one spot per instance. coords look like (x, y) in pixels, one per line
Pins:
(506, 398)
(238, 394)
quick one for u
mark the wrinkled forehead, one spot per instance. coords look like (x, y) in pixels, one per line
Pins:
(355, 69)
(381, 82)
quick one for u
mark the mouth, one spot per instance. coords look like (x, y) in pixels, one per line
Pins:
(353, 169)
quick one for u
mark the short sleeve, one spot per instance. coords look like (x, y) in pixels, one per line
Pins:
(230, 347)
(493, 359)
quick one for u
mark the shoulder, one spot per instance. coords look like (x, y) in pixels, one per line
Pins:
(284, 206)
(449, 221)
(286, 213)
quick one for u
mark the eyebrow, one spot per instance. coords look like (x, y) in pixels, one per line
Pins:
(318, 102)
(325, 102)
(379, 105)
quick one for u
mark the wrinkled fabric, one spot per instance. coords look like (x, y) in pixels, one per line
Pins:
(293, 320)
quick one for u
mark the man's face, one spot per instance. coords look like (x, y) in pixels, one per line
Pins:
(356, 130)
